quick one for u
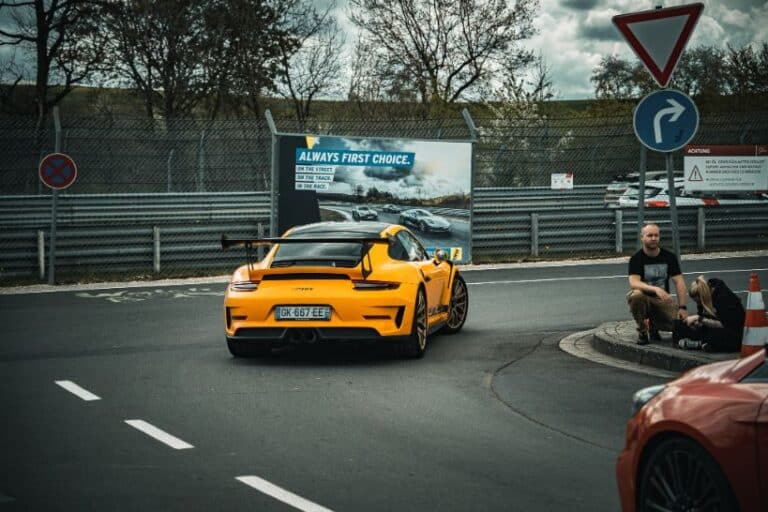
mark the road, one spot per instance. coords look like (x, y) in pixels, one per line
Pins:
(494, 418)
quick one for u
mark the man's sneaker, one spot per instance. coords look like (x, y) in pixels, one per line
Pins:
(642, 338)
(690, 344)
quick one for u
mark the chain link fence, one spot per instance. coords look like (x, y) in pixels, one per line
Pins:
(203, 163)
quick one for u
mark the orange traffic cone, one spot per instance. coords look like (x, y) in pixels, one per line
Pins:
(755, 321)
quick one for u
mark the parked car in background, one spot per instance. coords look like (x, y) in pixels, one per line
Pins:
(621, 182)
(364, 213)
(657, 196)
(699, 442)
(424, 221)
(391, 208)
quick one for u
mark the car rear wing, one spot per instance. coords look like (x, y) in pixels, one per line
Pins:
(365, 245)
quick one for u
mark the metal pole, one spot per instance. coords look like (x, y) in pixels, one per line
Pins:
(473, 133)
(641, 193)
(201, 163)
(619, 222)
(535, 234)
(701, 229)
(54, 205)
(41, 253)
(673, 205)
(274, 188)
(170, 165)
(156, 240)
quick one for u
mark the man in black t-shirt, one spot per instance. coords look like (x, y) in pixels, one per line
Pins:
(650, 270)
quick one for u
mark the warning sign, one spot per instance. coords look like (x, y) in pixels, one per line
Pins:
(726, 168)
(562, 181)
(695, 174)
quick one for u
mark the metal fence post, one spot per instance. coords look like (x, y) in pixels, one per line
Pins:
(701, 229)
(535, 234)
(619, 222)
(156, 252)
(170, 166)
(41, 253)
(201, 163)
(260, 234)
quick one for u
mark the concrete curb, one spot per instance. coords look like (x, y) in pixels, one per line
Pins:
(617, 339)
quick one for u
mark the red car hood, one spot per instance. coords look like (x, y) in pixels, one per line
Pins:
(732, 370)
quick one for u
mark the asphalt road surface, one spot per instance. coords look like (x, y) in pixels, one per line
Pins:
(127, 399)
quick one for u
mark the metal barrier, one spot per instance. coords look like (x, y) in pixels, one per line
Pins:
(121, 235)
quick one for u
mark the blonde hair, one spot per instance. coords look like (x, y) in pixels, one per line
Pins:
(702, 293)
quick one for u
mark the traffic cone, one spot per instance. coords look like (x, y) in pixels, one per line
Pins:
(755, 321)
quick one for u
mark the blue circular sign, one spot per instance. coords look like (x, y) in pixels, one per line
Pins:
(666, 120)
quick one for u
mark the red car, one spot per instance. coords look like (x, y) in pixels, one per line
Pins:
(699, 443)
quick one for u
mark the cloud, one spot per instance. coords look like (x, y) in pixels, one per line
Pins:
(580, 5)
(599, 26)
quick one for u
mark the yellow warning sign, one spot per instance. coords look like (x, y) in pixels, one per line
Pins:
(695, 174)
(455, 253)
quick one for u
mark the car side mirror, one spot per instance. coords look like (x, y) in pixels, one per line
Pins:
(440, 255)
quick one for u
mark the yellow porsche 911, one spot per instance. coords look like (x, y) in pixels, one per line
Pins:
(342, 281)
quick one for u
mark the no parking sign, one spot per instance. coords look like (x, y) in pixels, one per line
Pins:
(57, 171)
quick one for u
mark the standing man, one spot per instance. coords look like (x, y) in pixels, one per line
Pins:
(650, 270)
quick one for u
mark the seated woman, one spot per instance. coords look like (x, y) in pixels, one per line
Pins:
(719, 322)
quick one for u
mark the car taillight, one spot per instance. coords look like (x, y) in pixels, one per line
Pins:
(375, 285)
(243, 286)
(656, 204)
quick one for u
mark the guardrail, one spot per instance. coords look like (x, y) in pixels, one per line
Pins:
(178, 234)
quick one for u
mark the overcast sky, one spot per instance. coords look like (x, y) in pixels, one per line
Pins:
(575, 34)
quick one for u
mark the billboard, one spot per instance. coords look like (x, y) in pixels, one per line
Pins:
(422, 184)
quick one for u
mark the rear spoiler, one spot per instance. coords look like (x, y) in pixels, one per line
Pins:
(365, 245)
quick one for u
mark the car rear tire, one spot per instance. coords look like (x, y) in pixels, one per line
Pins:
(248, 349)
(680, 475)
(414, 346)
(458, 306)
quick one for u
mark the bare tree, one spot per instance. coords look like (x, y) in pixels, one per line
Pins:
(315, 67)
(443, 49)
(57, 33)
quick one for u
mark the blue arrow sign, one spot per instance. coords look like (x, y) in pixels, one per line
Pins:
(666, 120)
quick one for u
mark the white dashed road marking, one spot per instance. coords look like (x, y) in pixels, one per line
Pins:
(281, 494)
(163, 437)
(77, 390)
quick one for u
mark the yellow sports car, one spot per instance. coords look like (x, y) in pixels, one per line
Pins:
(342, 281)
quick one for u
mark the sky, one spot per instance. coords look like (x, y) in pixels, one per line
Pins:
(574, 35)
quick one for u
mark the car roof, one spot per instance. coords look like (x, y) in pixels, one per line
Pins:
(341, 229)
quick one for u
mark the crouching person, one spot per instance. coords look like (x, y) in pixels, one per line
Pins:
(718, 325)
(650, 270)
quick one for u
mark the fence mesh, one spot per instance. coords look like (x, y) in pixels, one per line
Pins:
(203, 163)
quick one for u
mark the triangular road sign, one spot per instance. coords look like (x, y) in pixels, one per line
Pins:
(695, 174)
(658, 37)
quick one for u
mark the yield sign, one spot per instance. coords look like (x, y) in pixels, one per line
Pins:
(658, 37)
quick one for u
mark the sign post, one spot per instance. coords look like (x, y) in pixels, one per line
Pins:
(665, 120)
(57, 171)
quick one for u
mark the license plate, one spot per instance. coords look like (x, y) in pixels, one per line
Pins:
(302, 313)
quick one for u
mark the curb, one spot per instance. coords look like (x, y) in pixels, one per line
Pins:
(611, 339)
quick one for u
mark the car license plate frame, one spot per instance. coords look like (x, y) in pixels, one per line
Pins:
(303, 312)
